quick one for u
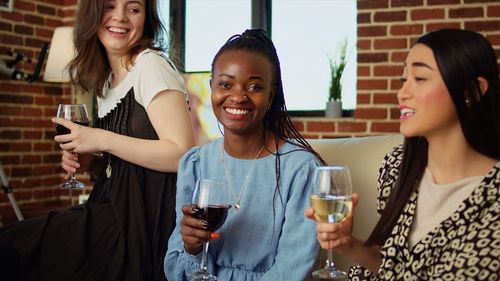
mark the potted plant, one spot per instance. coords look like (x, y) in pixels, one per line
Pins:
(337, 65)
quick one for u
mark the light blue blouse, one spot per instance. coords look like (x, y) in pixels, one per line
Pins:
(265, 239)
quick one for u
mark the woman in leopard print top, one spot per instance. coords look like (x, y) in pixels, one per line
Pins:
(438, 192)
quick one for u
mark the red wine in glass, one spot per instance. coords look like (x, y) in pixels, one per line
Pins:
(212, 200)
(76, 113)
(215, 215)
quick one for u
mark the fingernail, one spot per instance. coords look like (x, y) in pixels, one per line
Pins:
(214, 236)
(195, 209)
(204, 224)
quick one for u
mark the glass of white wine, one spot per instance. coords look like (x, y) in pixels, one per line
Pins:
(331, 201)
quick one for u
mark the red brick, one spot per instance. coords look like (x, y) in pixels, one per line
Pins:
(56, 91)
(53, 23)
(34, 19)
(494, 39)
(42, 32)
(24, 5)
(299, 125)
(371, 31)
(399, 57)
(427, 14)
(395, 113)
(406, 3)
(39, 147)
(395, 84)
(371, 113)
(363, 99)
(23, 29)
(493, 11)
(4, 26)
(33, 135)
(27, 111)
(363, 71)
(4, 146)
(314, 126)
(474, 12)
(54, 158)
(13, 16)
(44, 101)
(433, 26)
(442, 2)
(483, 25)
(21, 172)
(8, 111)
(351, 126)
(392, 16)
(384, 70)
(406, 29)
(385, 98)
(385, 127)
(390, 44)
(10, 135)
(51, 181)
(11, 39)
(372, 4)
(43, 170)
(372, 57)
(364, 18)
(364, 44)
(21, 147)
(46, 10)
(69, 13)
(372, 84)
(31, 159)
(10, 159)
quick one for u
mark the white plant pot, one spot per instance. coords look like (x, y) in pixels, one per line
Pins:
(333, 109)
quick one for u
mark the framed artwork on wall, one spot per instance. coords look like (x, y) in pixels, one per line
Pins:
(6, 5)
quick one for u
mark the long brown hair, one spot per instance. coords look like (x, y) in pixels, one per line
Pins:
(90, 68)
(469, 56)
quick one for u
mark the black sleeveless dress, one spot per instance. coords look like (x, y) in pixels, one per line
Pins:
(121, 233)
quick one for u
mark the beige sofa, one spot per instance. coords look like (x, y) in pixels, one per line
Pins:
(363, 155)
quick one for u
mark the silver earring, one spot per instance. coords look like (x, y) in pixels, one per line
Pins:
(467, 101)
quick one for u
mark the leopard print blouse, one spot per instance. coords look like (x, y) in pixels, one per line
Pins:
(465, 246)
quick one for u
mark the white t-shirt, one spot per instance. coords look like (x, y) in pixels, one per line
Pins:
(152, 73)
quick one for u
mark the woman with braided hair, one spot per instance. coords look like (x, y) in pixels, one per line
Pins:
(266, 163)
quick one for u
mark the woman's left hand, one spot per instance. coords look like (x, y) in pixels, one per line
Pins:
(82, 139)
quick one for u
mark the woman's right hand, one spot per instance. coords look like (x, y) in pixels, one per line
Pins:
(194, 231)
(335, 236)
(69, 162)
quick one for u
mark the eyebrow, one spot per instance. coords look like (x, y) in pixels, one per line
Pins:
(232, 77)
(420, 64)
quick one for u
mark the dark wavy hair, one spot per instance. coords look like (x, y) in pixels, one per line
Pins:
(461, 62)
(90, 68)
(276, 119)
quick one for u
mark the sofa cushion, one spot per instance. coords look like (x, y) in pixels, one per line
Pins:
(363, 155)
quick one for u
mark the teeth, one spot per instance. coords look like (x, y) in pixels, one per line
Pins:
(407, 111)
(237, 111)
(117, 30)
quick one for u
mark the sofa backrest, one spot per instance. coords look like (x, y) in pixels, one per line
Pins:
(363, 155)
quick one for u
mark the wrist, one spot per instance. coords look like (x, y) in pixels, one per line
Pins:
(194, 251)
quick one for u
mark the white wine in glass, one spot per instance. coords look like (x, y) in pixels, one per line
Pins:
(76, 113)
(331, 201)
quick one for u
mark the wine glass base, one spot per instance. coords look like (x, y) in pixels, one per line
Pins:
(329, 273)
(72, 184)
(201, 275)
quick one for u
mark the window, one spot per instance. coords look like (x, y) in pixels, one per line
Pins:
(305, 32)
(208, 25)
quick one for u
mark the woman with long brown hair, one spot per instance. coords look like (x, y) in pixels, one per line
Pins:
(142, 128)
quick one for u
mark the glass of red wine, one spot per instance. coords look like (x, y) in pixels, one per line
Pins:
(76, 113)
(212, 200)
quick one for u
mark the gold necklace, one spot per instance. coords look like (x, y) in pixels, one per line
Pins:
(237, 204)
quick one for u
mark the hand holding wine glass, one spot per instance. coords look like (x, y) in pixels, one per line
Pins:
(332, 202)
(76, 113)
(210, 204)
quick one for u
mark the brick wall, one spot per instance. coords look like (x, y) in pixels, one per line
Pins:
(386, 31)
(28, 153)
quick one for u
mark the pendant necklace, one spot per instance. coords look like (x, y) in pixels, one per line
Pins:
(237, 204)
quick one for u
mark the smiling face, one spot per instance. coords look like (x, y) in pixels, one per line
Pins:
(122, 25)
(241, 85)
(426, 106)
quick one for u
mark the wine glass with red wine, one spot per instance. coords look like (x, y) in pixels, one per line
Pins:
(212, 201)
(76, 113)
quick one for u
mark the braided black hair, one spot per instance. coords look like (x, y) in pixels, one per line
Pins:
(276, 118)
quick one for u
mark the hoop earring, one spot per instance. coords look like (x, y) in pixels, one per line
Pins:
(218, 127)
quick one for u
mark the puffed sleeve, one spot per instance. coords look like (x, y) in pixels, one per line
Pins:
(156, 74)
(177, 261)
(298, 233)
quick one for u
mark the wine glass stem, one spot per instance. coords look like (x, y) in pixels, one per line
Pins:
(203, 265)
(330, 263)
